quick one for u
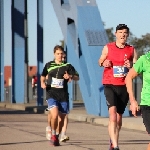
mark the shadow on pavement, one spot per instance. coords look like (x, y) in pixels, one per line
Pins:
(22, 142)
(10, 111)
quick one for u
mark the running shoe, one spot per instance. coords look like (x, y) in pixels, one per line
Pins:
(116, 148)
(54, 141)
(64, 138)
(48, 133)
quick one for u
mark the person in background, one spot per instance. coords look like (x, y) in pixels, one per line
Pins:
(64, 137)
(34, 85)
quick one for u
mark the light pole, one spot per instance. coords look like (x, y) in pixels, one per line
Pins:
(26, 92)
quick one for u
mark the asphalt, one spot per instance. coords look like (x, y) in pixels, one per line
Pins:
(79, 114)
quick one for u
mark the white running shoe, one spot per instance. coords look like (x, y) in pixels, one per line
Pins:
(64, 138)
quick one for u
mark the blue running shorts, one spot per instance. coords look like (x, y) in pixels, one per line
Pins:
(63, 107)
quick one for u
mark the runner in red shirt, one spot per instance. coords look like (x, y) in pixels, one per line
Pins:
(116, 58)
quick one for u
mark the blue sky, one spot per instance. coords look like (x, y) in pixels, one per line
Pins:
(134, 13)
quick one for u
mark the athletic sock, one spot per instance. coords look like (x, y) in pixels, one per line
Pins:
(62, 134)
(57, 134)
(53, 132)
(49, 128)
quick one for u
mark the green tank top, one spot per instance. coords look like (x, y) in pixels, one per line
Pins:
(143, 66)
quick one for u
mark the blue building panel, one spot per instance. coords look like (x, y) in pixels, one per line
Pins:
(39, 50)
(92, 52)
(1, 50)
(18, 51)
(85, 38)
(18, 75)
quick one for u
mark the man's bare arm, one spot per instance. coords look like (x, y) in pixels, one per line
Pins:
(42, 79)
(133, 103)
(103, 55)
(134, 56)
(129, 84)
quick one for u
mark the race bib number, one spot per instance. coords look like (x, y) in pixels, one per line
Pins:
(57, 83)
(120, 71)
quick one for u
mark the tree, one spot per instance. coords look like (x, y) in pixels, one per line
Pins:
(111, 36)
(142, 44)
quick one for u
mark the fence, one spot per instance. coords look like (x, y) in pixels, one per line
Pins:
(137, 86)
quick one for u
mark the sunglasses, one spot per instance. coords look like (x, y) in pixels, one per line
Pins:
(122, 25)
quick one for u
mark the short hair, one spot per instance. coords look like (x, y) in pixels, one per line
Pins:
(122, 26)
(58, 47)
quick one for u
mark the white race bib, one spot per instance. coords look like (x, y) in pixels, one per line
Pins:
(57, 83)
(120, 71)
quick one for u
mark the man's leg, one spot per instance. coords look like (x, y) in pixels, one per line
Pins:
(48, 128)
(119, 124)
(148, 148)
(64, 137)
(49, 119)
(145, 110)
(116, 111)
(53, 108)
(114, 125)
(54, 117)
(64, 129)
(111, 100)
(61, 118)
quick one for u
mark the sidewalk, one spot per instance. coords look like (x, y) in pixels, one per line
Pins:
(132, 123)
(79, 114)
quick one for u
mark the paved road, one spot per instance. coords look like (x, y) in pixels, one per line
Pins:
(22, 131)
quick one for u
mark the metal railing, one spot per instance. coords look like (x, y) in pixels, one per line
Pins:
(77, 96)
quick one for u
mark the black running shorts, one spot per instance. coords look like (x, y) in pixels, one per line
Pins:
(145, 110)
(116, 95)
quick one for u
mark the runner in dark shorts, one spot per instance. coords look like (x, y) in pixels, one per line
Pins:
(116, 95)
(116, 58)
(58, 73)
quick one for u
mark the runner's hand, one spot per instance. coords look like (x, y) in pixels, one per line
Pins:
(127, 63)
(66, 75)
(43, 85)
(106, 63)
(134, 108)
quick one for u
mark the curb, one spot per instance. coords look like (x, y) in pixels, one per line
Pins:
(128, 122)
(104, 121)
(30, 109)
